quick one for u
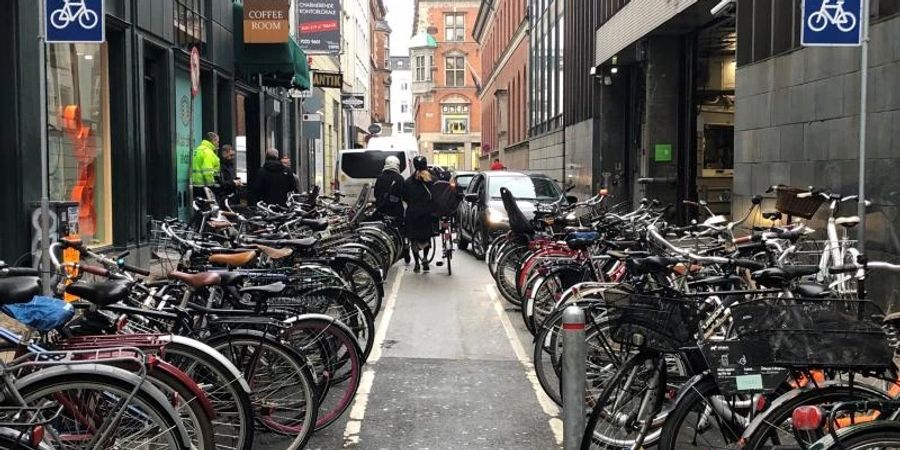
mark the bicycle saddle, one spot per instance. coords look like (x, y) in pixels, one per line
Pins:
(275, 253)
(101, 293)
(233, 259)
(315, 224)
(623, 245)
(274, 288)
(847, 222)
(771, 215)
(197, 280)
(778, 277)
(812, 290)
(231, 278)
(652, 264)
(731, 281)
(302, 243)
(19, 289)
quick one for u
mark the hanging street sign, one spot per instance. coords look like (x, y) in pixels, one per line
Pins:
(353, 101)
(74, 21)
(195, 71)
(832, 23)
(267, 21)
(332, 80)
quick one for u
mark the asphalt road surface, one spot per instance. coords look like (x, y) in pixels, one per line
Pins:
(451, 369)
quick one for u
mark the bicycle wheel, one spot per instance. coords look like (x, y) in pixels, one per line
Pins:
(284, 396)
(703, 418)
(344, 306)
(335, 359)
(364, 280)
(196, 419)
(626, 409)
(224, 386)
(869, 436)
(773, 427)
(88, 398)
(507, 271)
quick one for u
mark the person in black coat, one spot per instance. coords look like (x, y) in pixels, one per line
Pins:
(273, 181)
(389, 189)
(228, 178)
(417, 195)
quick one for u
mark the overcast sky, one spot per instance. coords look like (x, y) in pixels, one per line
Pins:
(400, 18)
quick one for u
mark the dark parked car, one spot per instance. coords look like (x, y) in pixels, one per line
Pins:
(481, 213)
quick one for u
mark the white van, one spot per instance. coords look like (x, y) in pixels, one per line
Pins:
(355, 168)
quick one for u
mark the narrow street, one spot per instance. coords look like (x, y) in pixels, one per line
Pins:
(451, 370)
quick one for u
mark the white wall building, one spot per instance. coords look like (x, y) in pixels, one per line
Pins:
(401, 95)
(356, 63)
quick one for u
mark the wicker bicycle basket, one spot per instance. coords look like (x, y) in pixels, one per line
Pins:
(787, 202)
(656, 322)
(813, 333)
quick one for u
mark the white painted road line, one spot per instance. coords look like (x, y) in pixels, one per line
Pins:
(550, 408)
(361, 401)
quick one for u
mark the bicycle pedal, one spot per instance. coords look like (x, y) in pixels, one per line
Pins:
(439, 264)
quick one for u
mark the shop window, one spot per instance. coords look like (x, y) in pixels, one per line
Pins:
(455, 27)
(78, 135)
(455, 71)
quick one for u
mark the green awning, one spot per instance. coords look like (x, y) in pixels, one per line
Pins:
(281, 65)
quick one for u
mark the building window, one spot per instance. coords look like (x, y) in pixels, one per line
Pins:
(456, 125)
(422, 72)
(404, 87)
(78, 132)
(546, 78)
(190, 22)
(455, 27)
(404, 108)
(455, 71)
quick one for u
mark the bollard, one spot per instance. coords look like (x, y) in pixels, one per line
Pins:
(573, 377)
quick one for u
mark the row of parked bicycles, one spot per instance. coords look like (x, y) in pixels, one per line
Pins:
(250, 332)
(705, 336)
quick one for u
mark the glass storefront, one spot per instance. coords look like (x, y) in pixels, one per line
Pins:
(78, 135)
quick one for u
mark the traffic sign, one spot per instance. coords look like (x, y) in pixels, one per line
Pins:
(195, 71)
(74, 21)
(832, 23)
(374, 128)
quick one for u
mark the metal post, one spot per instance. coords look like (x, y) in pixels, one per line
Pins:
(45, 174)
(573, 377)
(863, 106)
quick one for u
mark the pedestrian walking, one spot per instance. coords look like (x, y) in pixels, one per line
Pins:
(418, 220)
(273, 182)
(389, 189)
(205, 165)
(497, 165)
(286, 162)
(228, 179)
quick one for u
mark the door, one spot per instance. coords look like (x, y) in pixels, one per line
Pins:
(155, 130)
(188, 134)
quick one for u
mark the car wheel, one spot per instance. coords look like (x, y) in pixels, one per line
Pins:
(479, 243)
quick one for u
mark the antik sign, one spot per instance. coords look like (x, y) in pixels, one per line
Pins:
(266, 21)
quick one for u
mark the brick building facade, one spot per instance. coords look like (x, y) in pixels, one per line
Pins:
(446, 67)
(381, 66)
(501, 30)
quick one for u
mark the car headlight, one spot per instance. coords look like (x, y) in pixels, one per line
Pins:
(495, 216)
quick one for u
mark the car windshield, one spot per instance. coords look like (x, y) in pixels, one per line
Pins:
(368, 164)
(463, 181)
(525, 187)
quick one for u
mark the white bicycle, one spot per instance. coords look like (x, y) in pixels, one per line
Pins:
(834, 14)
(71, 11)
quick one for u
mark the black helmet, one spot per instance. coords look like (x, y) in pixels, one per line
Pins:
(420, 163)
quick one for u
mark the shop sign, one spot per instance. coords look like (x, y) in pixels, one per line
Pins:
(353, 101)
(267, 21)
(319, 26)
(333, 80)
(71, 21)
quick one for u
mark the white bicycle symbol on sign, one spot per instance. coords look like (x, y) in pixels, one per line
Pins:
(71, 11)
(833, 14)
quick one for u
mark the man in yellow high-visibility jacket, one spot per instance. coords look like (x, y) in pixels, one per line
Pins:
(205, 166)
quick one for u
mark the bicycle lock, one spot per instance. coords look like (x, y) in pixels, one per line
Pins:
(573, 377)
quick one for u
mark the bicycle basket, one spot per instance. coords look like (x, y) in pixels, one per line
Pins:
(655, 322)
(787, 202)
(813, 333)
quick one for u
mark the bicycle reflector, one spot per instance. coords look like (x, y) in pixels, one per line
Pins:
(807, 418)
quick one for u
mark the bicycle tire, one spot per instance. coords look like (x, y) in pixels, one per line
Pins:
(771, 421)
(194, 416)
(302, 387)
(656, 384)
(363, 280)
(356, 316)
(867, 436)
(510, 262)
(334, 356)
(676, 420)
(223, 385)
(148, 401)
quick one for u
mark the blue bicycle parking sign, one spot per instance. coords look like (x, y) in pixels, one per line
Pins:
(74, 21)
(830, 23)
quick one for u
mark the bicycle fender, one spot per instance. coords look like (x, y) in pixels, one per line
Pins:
(793, 393)
(219, 357)
(325, 318)
(192, 385)
(683, 392)
(828, 442)
(97, 370)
